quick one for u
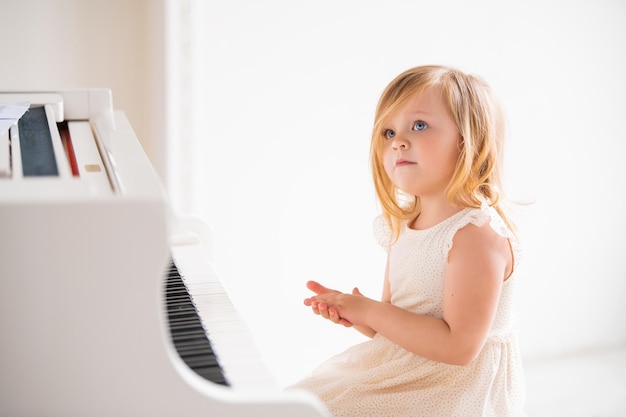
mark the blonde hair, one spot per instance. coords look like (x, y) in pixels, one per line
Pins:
(480, 121)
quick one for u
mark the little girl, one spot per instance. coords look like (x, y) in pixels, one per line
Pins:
(442, 335)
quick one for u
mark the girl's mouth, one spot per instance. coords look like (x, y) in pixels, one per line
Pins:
(403, 162)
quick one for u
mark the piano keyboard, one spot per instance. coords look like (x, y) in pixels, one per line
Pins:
(230, 343)
(188, 334)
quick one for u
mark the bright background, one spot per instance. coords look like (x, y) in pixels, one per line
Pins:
(284, 99)
(257, 116)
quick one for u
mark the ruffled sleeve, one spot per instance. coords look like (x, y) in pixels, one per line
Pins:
(479, 217)
(382, 232)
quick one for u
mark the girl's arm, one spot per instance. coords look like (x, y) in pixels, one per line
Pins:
(478, 263)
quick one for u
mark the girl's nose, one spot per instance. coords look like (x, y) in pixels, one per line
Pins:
(399, 143)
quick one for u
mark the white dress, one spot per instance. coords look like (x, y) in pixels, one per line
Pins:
(379, 378)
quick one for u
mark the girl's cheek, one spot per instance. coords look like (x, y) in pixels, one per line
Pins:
(388, 163)
(388, 169)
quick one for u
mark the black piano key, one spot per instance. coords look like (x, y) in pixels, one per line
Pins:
(36, 144)
(188, 335)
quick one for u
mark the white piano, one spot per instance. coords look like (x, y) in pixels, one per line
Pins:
(108, 303)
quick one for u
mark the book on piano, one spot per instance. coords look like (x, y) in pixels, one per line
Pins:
(109, 305)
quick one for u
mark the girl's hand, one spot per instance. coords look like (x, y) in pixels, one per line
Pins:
(321, 308)
(334, 305)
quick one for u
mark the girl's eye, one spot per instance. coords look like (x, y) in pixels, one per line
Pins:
(389, 134)
(419, 125)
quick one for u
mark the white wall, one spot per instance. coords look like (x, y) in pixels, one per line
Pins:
(285, 98)
(118, 44)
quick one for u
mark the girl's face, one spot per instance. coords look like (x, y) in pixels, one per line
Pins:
(421, 146)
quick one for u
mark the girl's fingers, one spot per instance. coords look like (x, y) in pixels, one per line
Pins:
(323, 308)
(333, 315)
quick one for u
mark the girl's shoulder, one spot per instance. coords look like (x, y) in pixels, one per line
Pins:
(489, 227)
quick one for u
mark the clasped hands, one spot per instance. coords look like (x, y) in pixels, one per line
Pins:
(338, 307)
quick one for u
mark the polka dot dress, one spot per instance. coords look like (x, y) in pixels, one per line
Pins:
(378, 378)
